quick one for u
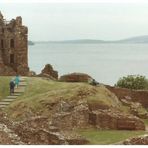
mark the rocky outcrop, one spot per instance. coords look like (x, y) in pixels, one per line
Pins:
(39, 136)
(70, 115)
(135, 100)
(136, 108)
(140, 140)
(49, 72)
(38, 130)
(7, 134)
(75, 77)
(36, 136)
(78, 115)
(35, 130)
(4, 138)
(108, 119)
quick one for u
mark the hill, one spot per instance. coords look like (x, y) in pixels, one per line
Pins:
(30, 43)
(40, 93)
(138, 39)
(132, 40)
(49, 108)
(81, 41)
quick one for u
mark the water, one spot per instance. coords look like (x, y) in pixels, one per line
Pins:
(105, 62)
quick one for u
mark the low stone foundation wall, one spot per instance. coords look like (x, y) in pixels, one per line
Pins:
(104, 119)
(75, 77)
(140, 140)
(140, 96)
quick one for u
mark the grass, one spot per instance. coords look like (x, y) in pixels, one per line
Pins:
(40, 92)
(103, 137)
(145, 121)
(4, 86)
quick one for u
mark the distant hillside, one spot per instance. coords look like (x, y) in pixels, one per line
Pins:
(79, 41)
(138, 39)
(30, 43)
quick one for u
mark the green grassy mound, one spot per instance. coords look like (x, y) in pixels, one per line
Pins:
(39, 93)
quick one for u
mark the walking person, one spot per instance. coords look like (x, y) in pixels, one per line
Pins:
(12, 85)
(17, 81)
(93, 82)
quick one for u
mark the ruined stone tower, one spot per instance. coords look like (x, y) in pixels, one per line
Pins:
(13, 47)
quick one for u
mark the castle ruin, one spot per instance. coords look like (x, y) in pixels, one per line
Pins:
(13, 47)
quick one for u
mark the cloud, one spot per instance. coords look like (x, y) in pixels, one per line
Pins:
(55, 21)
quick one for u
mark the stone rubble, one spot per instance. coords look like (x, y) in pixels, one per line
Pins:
(140, 140)
(49, 72)
(75, 77)
(13, 138)
(79, 115)
(108, 119)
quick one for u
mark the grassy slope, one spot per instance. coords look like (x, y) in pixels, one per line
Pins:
(146, 122)
(40, 92)
(4, 86)
(108, 136)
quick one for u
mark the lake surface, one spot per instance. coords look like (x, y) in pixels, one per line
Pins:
(105, 62)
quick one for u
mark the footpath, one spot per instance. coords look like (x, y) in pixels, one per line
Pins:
(17, 92)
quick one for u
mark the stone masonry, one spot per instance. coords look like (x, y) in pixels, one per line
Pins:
(13, 47)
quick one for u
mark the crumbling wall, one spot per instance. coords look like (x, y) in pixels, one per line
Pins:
(13, 46)
(140, 96)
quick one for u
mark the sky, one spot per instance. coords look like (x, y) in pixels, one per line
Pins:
(68, 21)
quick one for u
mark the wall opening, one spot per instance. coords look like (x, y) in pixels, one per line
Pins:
(12, 43)
(11, 58)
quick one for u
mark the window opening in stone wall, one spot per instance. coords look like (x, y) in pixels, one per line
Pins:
(12, 43)
(11, 58)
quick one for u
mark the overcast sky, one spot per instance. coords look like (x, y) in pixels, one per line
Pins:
(66, 21)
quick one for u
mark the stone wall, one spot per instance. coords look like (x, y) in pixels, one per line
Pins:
(71, 115)
(140, 96)
(14, 46)
(107, 119)
(140, 140)
(75, 77)
(36, 130)
(49, 72)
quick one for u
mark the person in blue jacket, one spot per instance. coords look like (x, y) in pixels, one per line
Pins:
(17, 81)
